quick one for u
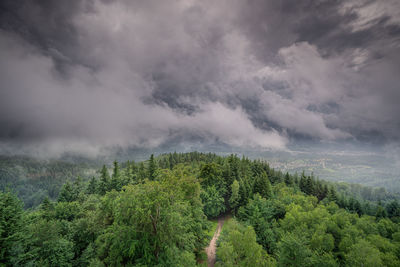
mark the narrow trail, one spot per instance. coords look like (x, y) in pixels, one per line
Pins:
(212, 247)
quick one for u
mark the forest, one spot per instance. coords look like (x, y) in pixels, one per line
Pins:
(160, 212)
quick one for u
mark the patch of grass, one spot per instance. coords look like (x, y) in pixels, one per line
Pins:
(211, 229)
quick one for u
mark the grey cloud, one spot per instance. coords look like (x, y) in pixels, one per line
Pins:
(248, 73)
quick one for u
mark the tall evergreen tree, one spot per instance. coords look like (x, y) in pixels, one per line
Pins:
(262, 185)
(303, 182)
(47, 209)
(393, 209)
(288, 179)
(92, 186)
(332, 195)
(67, 193)
(116, 177)
(235, 197)
(78, 185)
(10, 225)
(141, 172)
(104, 184)
(309, 188)
(152, 168)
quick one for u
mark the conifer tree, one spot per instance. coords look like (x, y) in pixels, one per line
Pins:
(104, 184)
(152, 168)
(303, 183)
(288, 179)
(332, 195)
(67, 193)
(234, 199)
(10, 225)
(380, 212)
(77, 186)
(141, 172)
(309, 187)
(47, 208)
(263, 186)
(92, 186)
(243, 193)
(115, 179)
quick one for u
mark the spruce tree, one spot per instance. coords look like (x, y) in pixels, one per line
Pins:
(235, 197)
(141, 172)
(263, 185)
(288, 179)
(67, 193)
(10, 224)
(115, 179)
(152, 168)
(92, 186)
(303, 183)
(309, 188)
(332, 195)
(47, 208)
(104, 184)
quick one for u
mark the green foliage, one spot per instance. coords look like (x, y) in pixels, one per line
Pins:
(67, 193)
(238, 247)
(154, 214)
(213, 202)
(293, 251)
(363, 254)
(32, 180)
(234, 199)
(210, 175)
(152, 169)
(262, 185)
(92, 187)
(152, 220)
(10, 224)
(260, 214)
(104, 184)
(116, 182)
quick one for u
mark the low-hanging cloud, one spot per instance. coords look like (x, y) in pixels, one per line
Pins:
(94, 73)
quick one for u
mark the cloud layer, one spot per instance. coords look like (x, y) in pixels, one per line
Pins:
(93, 73)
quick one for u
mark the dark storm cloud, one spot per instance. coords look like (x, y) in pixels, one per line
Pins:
(85, 74)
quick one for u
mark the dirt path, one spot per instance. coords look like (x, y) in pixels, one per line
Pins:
(212, 247)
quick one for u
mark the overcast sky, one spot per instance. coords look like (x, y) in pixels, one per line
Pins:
(79, 75)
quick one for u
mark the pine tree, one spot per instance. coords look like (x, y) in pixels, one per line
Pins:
(47, 208)
(263, 185)
(92, 186)
(234, 199)
(115, 179)
(357, 207)
(152, 168)
(77, 186)
(332, 195)
(309, 189)
(393, 209)
(325, 191)
(243, 193)
(133, 172)
(303, 183)
(46, 204)
(10, 224)
(171, 161)
(141, 172)
(288, 179)
(104, 184)
(380, 212)
(67, 193)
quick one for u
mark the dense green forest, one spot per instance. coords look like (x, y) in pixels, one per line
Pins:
(157, 212)
(33, 180)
